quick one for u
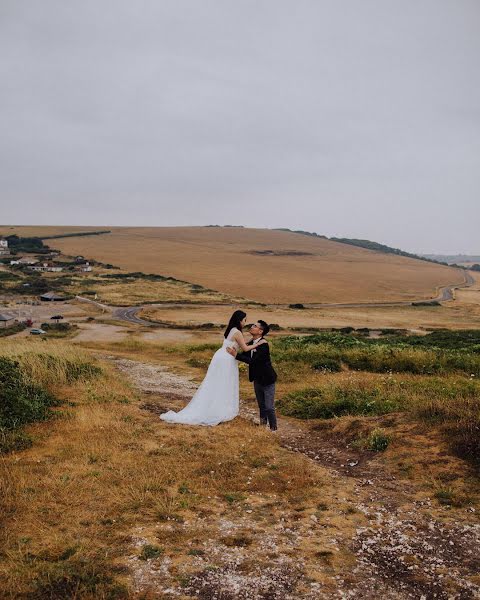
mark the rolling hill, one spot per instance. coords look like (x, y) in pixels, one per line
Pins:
(269, 266)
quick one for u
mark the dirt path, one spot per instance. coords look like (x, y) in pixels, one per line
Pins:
(405, 548)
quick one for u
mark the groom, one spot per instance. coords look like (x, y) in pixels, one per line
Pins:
(261, 372)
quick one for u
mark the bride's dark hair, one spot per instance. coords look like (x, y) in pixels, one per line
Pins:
(235, 321)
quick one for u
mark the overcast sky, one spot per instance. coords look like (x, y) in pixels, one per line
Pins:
(345, 117)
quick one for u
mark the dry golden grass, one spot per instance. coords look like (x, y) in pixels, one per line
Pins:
(47, 363)
(458, 314)
(134, 290)
(119, 293)
(73, 502)
(106, 482)
(222, 259)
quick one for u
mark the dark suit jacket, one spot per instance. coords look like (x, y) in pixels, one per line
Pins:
(259, 365)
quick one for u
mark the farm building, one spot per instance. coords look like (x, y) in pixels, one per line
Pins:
(4, 250)
(52, 297)
(47, 267)
(85, 267)
(24, 261)
(5, 319)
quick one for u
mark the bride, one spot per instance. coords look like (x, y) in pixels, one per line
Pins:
(217, 398)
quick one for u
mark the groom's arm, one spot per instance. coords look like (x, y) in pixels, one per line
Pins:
(245, 357)
(260, 354)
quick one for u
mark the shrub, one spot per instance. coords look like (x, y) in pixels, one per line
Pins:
(377, 441)
(13, 441)
(24, 397)
(445, 496)
(201, 363)
(76, 578)
(347, 329)
(76, 370)
(446, 352)
(150, 551)
(332, 365)
(20, 400)
(5, 331)
(56, 326)
(333, 401)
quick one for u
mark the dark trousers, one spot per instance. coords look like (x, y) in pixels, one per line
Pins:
(266, 403)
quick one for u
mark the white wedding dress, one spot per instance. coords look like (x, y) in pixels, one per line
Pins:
(217, 398)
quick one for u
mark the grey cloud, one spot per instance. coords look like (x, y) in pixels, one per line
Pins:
(351, 119)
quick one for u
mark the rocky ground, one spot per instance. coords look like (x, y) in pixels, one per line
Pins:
(400, 545)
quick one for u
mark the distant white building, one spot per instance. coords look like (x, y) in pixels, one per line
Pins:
(47, 267)
(4, 249)
(24, 261)
(86, 267)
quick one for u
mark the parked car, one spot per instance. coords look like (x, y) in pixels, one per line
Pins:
(37, 332)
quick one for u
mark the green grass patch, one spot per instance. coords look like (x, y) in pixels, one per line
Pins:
(25, 396)
(75, 578)
(6, 331)
(438, 353)
(150, 551)
(376, 441)
(332, 401)
(21, 401)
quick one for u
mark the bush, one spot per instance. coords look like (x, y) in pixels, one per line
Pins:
(150, 551)
(377, 441)
(56, 326)
(5, 331)
(9, 276)
(13, 441)
(332, 365)
(74, 577)
(20, 400)
(27, 244)
(438, 353)
(333, 401)
(59, 330)
(199, 363)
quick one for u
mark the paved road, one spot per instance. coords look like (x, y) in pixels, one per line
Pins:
(445, 294)
(130, 314)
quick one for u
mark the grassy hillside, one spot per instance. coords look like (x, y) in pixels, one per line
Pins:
(263, 265)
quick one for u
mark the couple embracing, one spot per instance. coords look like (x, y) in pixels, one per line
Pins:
(217, 398)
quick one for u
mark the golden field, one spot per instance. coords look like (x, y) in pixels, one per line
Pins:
(451, 316)
(296, 268)
(135, 290)
(461, 313)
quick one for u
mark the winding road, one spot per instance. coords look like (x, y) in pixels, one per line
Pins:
(130, 314)
(445, 294)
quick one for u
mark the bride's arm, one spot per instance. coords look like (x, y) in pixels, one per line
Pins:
(238, 337)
